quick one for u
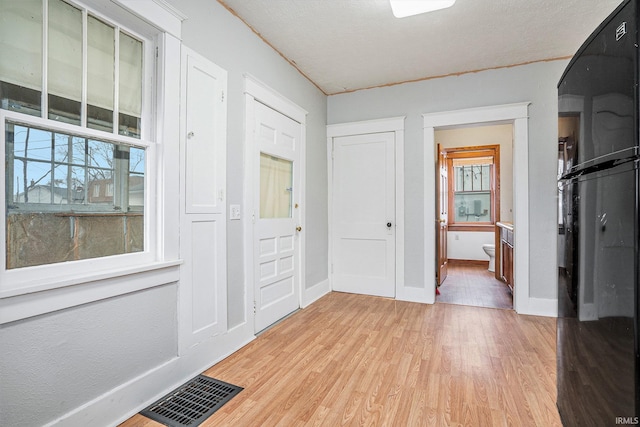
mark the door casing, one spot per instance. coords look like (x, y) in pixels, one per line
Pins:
(517, 114)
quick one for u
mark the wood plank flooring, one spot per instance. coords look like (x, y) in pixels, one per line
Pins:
(361, 360)
(470, 283)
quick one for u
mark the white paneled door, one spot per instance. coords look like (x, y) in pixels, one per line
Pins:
(364, 223)
(277, 216)
(203, 281)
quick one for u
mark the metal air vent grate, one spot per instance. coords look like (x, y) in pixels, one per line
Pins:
(191, 403)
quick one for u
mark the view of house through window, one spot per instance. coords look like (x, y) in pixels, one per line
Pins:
(70, 194)
(472, 189)
(70, 197)
(473, 192)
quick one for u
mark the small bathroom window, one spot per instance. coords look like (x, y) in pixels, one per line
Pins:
(473, 193)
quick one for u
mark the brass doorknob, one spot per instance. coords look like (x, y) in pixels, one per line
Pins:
(298, 228)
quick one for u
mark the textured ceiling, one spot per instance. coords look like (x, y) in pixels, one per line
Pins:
(346, 45)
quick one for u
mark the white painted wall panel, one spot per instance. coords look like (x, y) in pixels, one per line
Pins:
(205, 264)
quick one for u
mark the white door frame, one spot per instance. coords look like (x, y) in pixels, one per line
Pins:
(396, 125)
(518, 115)
(256, 91)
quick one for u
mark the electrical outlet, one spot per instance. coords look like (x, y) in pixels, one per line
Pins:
(234, 211)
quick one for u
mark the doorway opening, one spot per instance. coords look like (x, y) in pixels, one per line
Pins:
(474, 187)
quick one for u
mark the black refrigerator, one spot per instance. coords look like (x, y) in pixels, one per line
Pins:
(598, 155)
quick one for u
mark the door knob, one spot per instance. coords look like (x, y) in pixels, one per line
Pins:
(298, 228)
(388, 225)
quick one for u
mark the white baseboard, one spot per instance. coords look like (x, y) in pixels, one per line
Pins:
(124, 401)
(547, 307)
(314, 293)
(411, 294)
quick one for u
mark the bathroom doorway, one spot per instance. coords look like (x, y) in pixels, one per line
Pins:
(475, 169)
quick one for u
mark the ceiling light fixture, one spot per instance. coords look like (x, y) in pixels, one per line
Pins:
(403, 8)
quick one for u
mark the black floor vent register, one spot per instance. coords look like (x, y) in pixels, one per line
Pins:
(191, 403)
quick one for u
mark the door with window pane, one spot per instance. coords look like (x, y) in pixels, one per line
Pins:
(276, 192)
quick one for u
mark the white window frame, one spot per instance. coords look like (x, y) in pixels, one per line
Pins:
(31, 291)
(38, 278)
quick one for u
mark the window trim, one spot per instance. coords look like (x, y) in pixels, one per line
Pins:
(466, 153)
(50, 276)
(159, 23)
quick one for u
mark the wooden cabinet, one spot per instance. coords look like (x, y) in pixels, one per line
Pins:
(506, 253)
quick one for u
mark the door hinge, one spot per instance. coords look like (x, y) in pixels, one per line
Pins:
(222, 98)
(156, 51)
(254, 307)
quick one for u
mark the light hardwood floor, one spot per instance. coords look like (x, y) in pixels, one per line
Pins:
(470, 283)
(361, 360)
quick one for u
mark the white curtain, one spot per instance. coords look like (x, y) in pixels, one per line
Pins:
(64, 63)
(276, 178)
(100, 63)
(21, 43)
(130, 76)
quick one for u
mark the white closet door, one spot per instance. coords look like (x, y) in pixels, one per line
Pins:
(364, 223)
(203, 284)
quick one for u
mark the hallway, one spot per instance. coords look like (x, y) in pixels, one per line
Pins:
(470, 283)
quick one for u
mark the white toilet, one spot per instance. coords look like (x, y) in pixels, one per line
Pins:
(490, 249)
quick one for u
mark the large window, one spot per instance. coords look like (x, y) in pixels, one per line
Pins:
(473, 187)
(72, 92)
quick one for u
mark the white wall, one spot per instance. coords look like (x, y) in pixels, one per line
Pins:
(467, 245)
(535, 83)
(54, 363)
(97, 364)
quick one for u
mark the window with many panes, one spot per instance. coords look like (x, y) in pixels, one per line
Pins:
(473, 189)
(72, 118)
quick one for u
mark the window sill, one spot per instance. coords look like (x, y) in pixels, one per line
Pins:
(469, 227)
(17, 304)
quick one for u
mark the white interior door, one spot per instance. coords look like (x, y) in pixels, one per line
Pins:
(277, 216)
(203, 275)
(364, 223)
